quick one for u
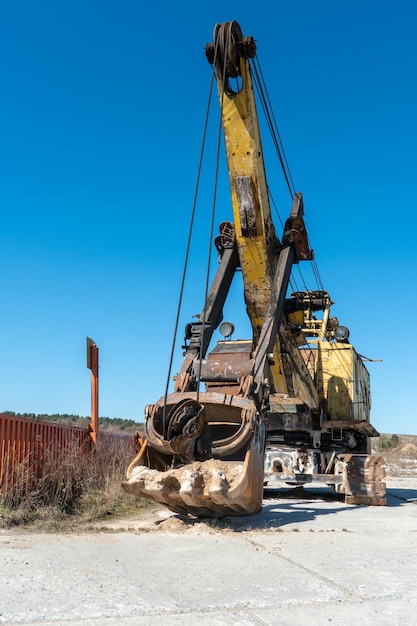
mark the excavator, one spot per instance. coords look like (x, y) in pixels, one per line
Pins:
(291, 404)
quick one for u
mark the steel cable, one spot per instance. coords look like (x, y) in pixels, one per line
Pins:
(187, 253)
(264, 98)
(272, 123)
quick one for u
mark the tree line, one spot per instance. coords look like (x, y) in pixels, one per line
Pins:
(115, 424)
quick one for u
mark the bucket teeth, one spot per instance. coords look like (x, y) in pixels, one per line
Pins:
(191, 490)
(219, 493)
(200, 488)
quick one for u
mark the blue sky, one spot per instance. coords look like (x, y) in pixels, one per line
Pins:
(102, 108)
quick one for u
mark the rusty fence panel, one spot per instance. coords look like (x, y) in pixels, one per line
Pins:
(25, 443)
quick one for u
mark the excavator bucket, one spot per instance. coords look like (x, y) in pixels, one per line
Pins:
(202, 457)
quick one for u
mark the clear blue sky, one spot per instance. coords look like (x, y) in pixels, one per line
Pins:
(102, 107)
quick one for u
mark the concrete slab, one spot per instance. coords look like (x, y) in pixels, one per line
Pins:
(301, 560)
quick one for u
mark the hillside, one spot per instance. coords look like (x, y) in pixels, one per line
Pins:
(399, 452)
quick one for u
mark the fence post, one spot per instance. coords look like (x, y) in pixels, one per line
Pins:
(92, 364)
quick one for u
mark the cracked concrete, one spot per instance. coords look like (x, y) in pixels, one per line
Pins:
(303, 559)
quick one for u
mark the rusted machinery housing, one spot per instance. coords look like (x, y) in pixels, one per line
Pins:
(290, 405)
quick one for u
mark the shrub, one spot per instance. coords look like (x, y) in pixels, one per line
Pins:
(77, 480)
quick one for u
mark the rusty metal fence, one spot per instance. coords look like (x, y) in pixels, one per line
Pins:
(25, 443)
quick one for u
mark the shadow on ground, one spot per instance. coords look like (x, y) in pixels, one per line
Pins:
(399, 497)
(279, 511)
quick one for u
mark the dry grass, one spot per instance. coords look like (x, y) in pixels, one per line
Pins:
(73, 487)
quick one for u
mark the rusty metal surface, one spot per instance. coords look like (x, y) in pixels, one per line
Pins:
(359, 477)
(25, 443)
(212, 488)
(363, 427)
(229, 361)
(92, 364)
(288, 421)
(201, 456)
(363, 479)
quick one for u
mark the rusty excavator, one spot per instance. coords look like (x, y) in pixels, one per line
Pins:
(290, 405)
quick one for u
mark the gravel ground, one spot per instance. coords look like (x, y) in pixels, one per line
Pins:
(303, 559)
